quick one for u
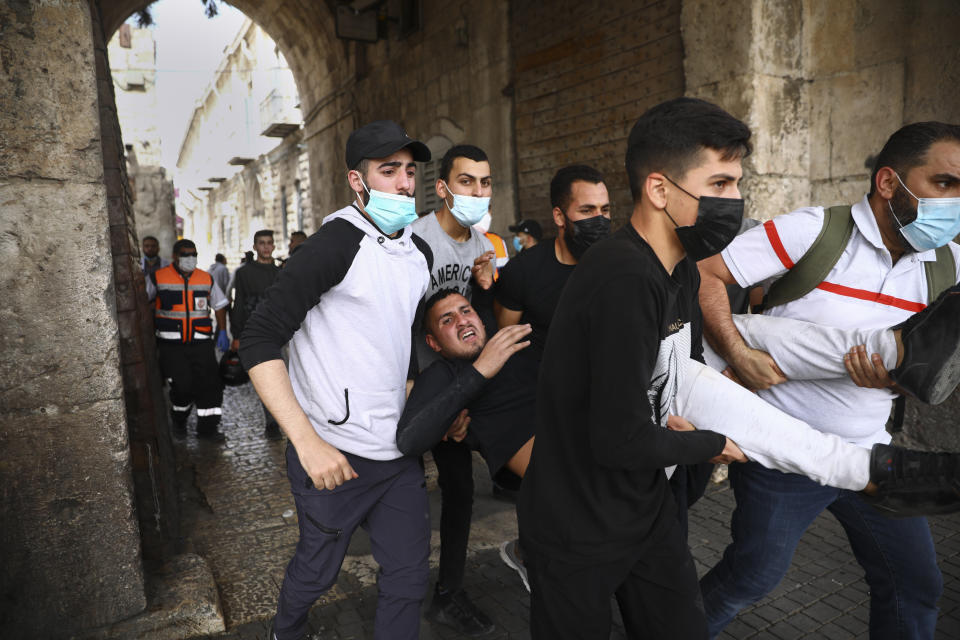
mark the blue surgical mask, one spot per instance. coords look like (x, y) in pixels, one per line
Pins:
(468, 210)
(517, 244)
(936, 224)
(391, 212)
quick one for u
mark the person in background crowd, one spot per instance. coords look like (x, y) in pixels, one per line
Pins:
(219, 271)
(250, 282)
(151, 261)
(528, 233)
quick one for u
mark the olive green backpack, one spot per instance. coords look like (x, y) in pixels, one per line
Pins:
(811, 269)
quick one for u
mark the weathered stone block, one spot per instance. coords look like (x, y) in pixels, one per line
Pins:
(68, 501)
(877, 91)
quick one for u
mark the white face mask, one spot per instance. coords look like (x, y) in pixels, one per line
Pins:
(187, 263)
(484, 224)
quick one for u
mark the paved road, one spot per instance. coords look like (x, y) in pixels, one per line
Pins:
(238, 515)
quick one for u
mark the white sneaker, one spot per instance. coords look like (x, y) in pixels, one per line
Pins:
(510, 554)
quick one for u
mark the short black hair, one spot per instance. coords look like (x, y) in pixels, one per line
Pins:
(460, 151)
(220, 258)
(263, 233)
(183, 243)
(432, 301)
(670, 137)
(298, 234)
(561, 191)
(907, 148)
(145, 238)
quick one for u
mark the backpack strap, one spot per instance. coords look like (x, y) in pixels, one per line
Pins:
(814, 266)
(941, 273)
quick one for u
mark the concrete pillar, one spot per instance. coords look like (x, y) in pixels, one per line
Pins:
(746, 56)
(70, 542)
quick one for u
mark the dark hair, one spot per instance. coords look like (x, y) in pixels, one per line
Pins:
(297, 234)
(670, 136)
(432, 301)
(183, 243)
(460, 151)
(145, 238)
(562, 183)
(220, 258)
(907, 148)
(263, 233)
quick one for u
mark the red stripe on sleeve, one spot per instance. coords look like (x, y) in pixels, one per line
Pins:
(774, 238)
(872, 296)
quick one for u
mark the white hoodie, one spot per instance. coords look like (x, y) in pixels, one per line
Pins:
(346, 301)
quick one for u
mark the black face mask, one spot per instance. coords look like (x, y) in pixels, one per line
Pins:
(580, 235)
(718, 221)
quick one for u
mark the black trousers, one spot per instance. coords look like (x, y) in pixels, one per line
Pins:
(455, 476)
(655, 586)
(195, 379)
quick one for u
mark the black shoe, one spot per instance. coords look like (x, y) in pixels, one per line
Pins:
(272, 431)
(930, 369)
(913, 483)
(457, 611)
(212, 436)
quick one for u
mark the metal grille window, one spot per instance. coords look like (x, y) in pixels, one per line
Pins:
(427, 199)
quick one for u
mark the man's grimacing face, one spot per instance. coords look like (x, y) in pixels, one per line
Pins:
(454, 328)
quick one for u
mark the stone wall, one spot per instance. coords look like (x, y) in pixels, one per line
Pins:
(153, 205)
(448, 83)
(584, 72)
(822, 85)
(70, 543)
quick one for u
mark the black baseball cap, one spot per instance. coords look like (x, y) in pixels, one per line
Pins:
(380, 139)
(529, 227)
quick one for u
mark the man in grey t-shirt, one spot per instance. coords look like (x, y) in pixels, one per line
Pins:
(462, 260)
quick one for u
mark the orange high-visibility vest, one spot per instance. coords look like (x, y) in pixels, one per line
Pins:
(182, 307)
(500, 247)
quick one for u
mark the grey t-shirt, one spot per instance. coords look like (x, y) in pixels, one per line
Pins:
(452, 264)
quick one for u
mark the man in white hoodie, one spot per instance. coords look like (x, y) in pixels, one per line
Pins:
(346, 303)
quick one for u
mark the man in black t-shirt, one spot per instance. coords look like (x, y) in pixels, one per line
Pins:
(596, 513)
(529, 285)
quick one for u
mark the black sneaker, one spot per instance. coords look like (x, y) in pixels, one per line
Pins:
(930, 369)
(914, 483)
(458, 612)
(272, 431)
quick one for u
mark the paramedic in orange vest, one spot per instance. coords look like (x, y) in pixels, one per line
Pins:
(183, 297)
